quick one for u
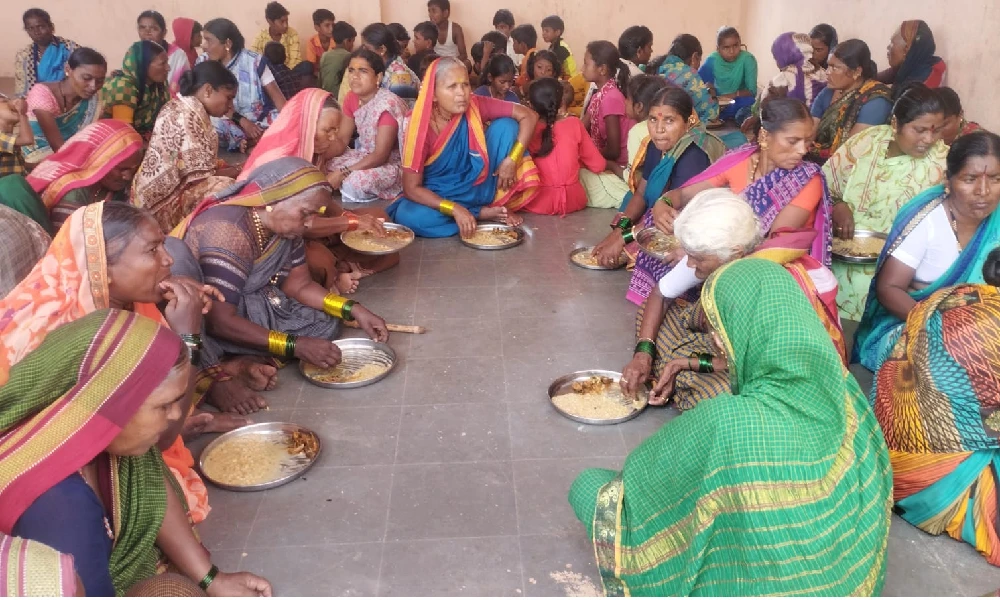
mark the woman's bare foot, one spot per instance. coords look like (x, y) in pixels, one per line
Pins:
(359, 272)
(346, 284)
(500, 214)
(208, 422)
(258, 375)
(234, 396)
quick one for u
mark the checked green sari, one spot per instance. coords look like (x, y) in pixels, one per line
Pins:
(781, 487)
(63, 405)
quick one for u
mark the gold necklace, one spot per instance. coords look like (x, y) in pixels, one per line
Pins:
(259, 228)
(954, 225)
(754, 165)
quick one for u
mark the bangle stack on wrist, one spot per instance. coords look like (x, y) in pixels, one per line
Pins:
(193, 342)
(705, 363)
(447, 208)
(352, 221)
(624, 225)
(338, 306)
(516, 152)
(281, 344)
(208, 578)
(646, 346)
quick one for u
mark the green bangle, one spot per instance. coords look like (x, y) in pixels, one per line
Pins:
(346, 314)
(666, 200)
(646, 347)
(290, 346)
(624, 223)
(628, 236)
(705, 363)
(208, 579)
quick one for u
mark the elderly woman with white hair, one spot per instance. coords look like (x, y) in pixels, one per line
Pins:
(675, 345)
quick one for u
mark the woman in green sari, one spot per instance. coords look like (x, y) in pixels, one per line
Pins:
(781, 487)
(136, 93)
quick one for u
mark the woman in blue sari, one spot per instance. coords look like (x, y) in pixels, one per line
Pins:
(456, 169)
(929, 332)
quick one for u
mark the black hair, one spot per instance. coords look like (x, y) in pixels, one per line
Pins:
(971, 145)
(546, 55)
(427, 30)
(545, 96)
(331, 102)
(274, 52)
(343, 31)
(913, 101)
(121, 221)
(274, 11)
(725, 32)
(554, 22)
(676, 98)
(476, 51)
(209, 72)
(152, 14)
(951, 104)
(36, 13)
(991, 268)
(856, 54)
(372, 58)
(499, 40)
(399, 32)
(525, 34)
(605, 54)
(195, 28)
(425, 62)
(226, 31)
(634, 39)
(776, 113)
(322, 14)
(503, 17)
(498, 66)
(86, 57)
(378, 34)
(825, 33)
(642, 89)
(444, 5)
(685, 46)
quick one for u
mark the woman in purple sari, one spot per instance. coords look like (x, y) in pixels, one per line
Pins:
(798, 77)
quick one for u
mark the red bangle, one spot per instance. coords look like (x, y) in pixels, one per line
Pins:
(352, 221)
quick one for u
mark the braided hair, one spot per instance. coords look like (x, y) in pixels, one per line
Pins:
(545, 96)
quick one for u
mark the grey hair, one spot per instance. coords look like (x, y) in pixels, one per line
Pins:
(446, 63)
(719, 223)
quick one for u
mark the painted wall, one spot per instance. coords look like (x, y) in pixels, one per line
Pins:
(963, 31)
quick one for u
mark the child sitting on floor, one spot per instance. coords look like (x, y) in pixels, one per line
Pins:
(542, 63)
(279, 31)
(424, 40)
(322, 42)
(451, 38)
(402, 39)
(13, 113)
(334, 62)
(503, 21)
(498, 79)
(523, 39)
(552, 32)
(288, 81)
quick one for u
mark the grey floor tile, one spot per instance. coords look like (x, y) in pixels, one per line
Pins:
(560, 565)
(404, 275)
(231, 519)
(454, 500)
(325, 506)
(229, 561)
(545, 336)
(447, 433)
(542, 488)
(457, 273)
(461, 302)
(395, 305)
(458, 338)
(563, 301)
(970, 573)
(488, 566)
(914, 568)
(521, 274)
(388, 392)
(538, 431)
(454, 380)
(614, 331)
(334, 570)
(453, 249)
(286, 394)
(354, 436)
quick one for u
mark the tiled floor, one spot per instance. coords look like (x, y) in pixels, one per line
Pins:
(450, 476)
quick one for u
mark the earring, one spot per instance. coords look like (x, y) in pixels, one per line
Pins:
(947, 190)
(269, 208)
(763, 145)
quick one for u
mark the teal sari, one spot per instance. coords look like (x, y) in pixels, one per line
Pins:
(82, 114)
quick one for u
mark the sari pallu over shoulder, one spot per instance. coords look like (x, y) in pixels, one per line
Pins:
(835, 126)
(69, 123)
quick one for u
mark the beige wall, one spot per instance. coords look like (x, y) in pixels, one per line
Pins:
(964, 31)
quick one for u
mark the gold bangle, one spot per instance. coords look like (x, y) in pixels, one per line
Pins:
(276, 342)
(447, 208)
(333, 305)
(516, 152)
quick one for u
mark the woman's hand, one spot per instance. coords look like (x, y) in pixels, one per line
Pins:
(506, 173)
(609, 251)
(227, 585)
(664, 387)
(465, 221)
(635, 374)
(371, 323)
(371, 223)
(206, 293)
(336, 179)
(663, 217)
(615, 168)
(251, 129)
(843, 221)
(184, 306)
(322, 353)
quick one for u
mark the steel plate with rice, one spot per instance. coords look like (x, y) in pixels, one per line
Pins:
(260, 457)
(585, 259)
(494, 236)
(363, 362)
(656, 243)
(864, 249)
(396, 238)
(595, 398)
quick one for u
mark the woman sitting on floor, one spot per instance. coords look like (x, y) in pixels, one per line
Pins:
(499, 79)
(456, 169)
(852, 101)
(798, 77)
(96, 164)
(781, 486)
(397, 78)
(717, 227)
(182, 54)
(669, 157)
(308, 129)
(680, 67)
(928, 334)
(58, 110)
(878, 171)
(955, 124)
(560, 147)
(81, 416)
(248, 243)
(911, 57)
(824, 39)
(784, 191)
(181, 166)
(137, 92)
(541, 64)
(258, 98)
(732, 71)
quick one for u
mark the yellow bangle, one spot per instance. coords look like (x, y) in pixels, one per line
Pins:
(447, 207)
(277, 342)
(333, 305)
(516, 152)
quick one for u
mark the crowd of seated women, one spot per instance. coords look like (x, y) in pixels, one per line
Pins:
(123, 230)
